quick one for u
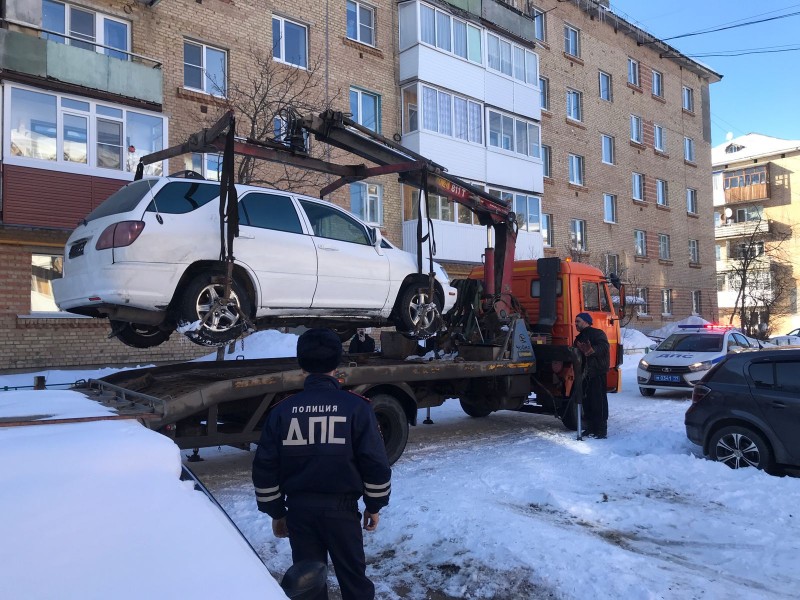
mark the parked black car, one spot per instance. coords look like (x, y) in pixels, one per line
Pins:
(745, 411)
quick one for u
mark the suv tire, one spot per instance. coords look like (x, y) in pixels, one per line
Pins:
(414, 319)
(738, 446)
(223, 327)
(140, 336)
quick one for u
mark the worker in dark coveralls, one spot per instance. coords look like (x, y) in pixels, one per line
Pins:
(593, 345)
(361, 342)
(319, 452)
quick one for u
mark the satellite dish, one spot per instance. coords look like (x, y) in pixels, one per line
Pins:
(728, 213)
(728, 136)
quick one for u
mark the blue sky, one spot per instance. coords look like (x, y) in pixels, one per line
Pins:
(758, 92)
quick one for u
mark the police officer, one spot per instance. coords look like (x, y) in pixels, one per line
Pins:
(593, 344)
(320, 451)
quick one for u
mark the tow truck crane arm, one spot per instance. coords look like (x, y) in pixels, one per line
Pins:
(338, 130)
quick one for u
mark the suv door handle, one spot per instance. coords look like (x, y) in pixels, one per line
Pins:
(328, 248)
(246, 237)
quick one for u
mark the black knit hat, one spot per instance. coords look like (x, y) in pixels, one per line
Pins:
(319, 351)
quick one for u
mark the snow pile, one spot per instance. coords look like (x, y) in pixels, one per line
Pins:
(269, 343)
(667, 330)
(633, 339)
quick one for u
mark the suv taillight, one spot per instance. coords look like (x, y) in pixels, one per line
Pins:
(119, 235)
(699, 392)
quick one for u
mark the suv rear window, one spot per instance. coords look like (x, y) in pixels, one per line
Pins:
(692, 342)
(180, 197)
(122, 201)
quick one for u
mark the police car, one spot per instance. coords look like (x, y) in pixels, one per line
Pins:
(685, 356)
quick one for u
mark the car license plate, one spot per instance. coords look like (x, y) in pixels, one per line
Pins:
(77, 249)
(669, 378)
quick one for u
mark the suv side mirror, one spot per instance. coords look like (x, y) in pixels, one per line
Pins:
(377, 236)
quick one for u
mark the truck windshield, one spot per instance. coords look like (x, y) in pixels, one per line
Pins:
(692, 342)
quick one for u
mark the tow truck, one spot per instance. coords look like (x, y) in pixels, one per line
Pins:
(508, 339)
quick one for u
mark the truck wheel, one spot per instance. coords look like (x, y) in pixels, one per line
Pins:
(140, 336)
(393, 424)
(474, 409)
(227, 322)
(416, 314)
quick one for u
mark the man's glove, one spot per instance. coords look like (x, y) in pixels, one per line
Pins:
(585, 348)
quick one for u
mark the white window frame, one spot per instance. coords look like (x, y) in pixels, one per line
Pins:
(204, 48)
(539, 24)
(572, 40)
(640, 242)
(697, 307)
(609, 264)
(688, 149)
(637, 186)
(282, 58)
(547, 161)
(574, 105)
(358, 7)
(664, 249)
(47, 265)
(642, 306)
(691, 201)
(577, 235)
(688, 99)
(92, 115)
(658, 84)
(694, 251)
(441, 44)
(361, 94)
(603, 75)
(516, 121)
(609, 208)
(576, 169)
(659, 138)
(633, 72)
(547, 229)
(544, 92)
(451, 98)
(528, 199)
(666, 302)
(607, 150)
(636, 129)
(662, 192)
(99, 30)
(528, 58)
(201, 163)
(377, 194)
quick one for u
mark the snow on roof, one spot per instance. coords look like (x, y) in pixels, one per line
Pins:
(750, 146)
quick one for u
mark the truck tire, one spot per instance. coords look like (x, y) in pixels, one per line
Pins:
(393, 424)
(474, 409)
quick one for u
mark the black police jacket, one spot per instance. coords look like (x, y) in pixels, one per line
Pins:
(321, 441)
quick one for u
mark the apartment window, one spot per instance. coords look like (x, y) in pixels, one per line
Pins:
(516, 135)
(636, 129)
(688, 149)
(662, 195)
(449, 115)
(205, 68)
(572, 41)
(606, 92)
(637, 181)
(609, 208)
(697, 307)
(577, 235)
(512, 60)
(666, 302)
(691, 201)
(544, 92)
(361, 22)
(450, 34)
(576, 169)
(411, 109)
(527, 209)
(87, 27)
(688, 99)
(641, 301)
(717, 252)
(539, 28)
(289, 42)
(574, 101)
(748, 213)
(640, 242)
(78, 135)
(44, 269)
(366, 109)
(547, 229)
(633, 72)
(607, 145)
(663, 247)
(208, 165)
(658, 84)
(612, 264)
(547, 161)
(659, 138)
(694, 251)
(366, 202)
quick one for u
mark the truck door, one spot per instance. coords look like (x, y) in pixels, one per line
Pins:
(597, 302)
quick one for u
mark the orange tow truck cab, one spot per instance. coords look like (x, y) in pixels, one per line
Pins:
(578, 288)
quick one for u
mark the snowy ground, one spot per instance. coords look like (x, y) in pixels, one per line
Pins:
(512, 507)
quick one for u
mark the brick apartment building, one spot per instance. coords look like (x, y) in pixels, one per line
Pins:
(505, 94)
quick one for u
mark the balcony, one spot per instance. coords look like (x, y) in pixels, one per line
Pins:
(747, 185)
(456, 242)
(40, 58)
(744, 229)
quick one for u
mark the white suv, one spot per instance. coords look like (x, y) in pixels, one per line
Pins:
(148, 258)
(686, 355)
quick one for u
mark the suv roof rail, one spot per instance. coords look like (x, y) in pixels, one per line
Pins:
(187, 174)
